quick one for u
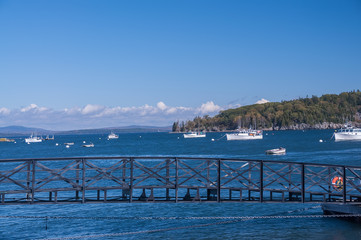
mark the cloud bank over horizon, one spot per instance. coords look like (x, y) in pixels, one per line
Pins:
(98, 116)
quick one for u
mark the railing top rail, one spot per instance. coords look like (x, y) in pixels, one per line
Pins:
(172, 157)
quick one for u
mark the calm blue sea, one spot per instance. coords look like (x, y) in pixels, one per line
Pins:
(302, 146)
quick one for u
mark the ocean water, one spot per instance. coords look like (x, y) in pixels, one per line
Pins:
(174, 220)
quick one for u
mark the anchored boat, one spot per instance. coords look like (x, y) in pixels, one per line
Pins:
(194, 135)
(348, 133)
(33, 139)
(249, 134)
(113, 136)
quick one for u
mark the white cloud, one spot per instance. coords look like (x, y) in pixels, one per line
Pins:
(209, 107)
(97, 116)
(33, 107)
(4, 111)
(88, 109)
(262, 101)
(162, 106)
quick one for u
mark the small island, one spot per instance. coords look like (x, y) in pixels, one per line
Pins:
(330, 111)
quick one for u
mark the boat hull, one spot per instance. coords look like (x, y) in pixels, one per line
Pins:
(347, 136)
(236, 136)
(113, 137)
(194, 135)
(32, 140)
(277, 151)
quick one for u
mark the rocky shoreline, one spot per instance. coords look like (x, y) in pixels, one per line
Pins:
(301, 126)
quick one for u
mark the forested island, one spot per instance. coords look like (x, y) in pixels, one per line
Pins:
(329, 111)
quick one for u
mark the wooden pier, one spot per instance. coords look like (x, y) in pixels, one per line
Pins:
(174, 179)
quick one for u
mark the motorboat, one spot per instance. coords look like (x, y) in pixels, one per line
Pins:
(89, 145)
(113, 136)
(69, 144)
(276, 151)
(249, 134)
(33, 139)
(348, 133)
(194, 135)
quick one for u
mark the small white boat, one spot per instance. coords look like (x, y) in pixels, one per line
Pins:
(249, 134)
(194, 135)
(89, 145)
(276, 151)
(348, 133)
(33, 139)
(69, 143)
(113, 136)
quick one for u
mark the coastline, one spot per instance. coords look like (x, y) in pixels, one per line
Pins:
(301, 126)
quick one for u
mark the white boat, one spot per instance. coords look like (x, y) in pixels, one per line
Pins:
(69, 144)
(249, 134)
(348, 133)
(277, 151)
(194, 135)
(33, 139)
(89, 145)
(113, 136)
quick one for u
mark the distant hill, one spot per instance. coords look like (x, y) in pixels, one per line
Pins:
(127, 129)
(20, 130)
(326, 112)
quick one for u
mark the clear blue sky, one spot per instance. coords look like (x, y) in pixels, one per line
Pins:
(113, 57)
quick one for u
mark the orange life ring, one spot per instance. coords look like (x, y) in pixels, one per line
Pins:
(337, 183)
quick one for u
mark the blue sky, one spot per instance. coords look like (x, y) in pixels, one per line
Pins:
(82, 64)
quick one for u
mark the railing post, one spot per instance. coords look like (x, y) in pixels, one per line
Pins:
(176, 179)
(33, 181)
(28, 180)
(167, 161)
(208, 173)
(303, 182)
(219, 181)
(131, 179)
(83, 180)
(77, 180)
(261, 183)
(344, 184)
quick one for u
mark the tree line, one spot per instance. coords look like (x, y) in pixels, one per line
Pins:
(296, 114)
